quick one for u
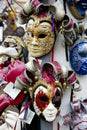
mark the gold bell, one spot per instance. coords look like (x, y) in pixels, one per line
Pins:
(56, 82)
(36, 77)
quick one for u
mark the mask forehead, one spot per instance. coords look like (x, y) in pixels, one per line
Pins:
(36, 22)
(39, 89)
(37, 28)
(45, 89)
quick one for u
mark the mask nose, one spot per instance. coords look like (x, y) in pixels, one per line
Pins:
(51, 107)
(35, 41)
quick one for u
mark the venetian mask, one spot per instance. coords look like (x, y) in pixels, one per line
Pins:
(11, 48)
(40, 36)
(47, 92)
(77, 119)
(13, 42)
(78, 57)
(47, 100)
(78, 8)
(46, 86)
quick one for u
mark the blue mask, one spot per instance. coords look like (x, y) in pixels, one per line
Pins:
(78, 58)
(78, 8)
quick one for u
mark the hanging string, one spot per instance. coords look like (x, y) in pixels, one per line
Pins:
(66, 52)
(52, 55)
(64, 5)
(58, 126)
(38, 63)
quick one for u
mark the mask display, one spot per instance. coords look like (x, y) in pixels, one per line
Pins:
(45, 90)
(39, 36)
(78, 57)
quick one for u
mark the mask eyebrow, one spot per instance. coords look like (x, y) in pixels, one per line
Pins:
(46, 21)
(38, 87)
(31, 18)
(41, 85)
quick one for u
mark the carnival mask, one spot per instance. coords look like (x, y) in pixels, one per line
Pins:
(78, 57)
(78, 8)
(70, 30)
(47, 100)
(77, 118)
(46, 86)
(47, 94)
(39, 36)
(47, 91)
(15, 43)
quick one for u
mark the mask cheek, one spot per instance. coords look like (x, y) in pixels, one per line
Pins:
(37, 110)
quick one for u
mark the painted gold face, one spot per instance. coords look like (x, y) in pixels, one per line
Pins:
(39, 36)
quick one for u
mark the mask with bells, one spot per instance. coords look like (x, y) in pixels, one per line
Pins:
(40, 35)
(47, 91)
(46, 86)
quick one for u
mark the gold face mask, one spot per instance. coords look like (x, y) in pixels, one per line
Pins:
(39, 36)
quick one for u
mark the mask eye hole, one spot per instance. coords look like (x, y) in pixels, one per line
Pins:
(6, 44)
(30, 34)
(42, 36)
(82, 54)
(43, 99)
(57, 98)
(56, 101)
(58, 92)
